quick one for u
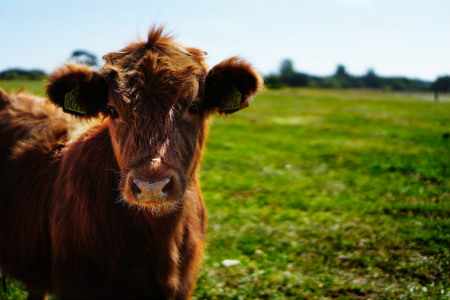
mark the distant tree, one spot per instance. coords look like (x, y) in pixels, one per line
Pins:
(356, 82)
(299, 79)
(286, 68)
(371, 80)
(84, 57)
(398, 84)
(342, 77)
(341, 72)
(273, 81)
(289, 77)
(441, 85)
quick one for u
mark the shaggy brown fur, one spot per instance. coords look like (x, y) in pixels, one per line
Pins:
(72, 221)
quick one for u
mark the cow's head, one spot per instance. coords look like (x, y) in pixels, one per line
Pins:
(157, 96)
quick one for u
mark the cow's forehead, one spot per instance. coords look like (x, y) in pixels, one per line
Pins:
(160, 78)
(157, 75)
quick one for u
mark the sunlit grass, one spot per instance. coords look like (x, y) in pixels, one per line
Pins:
(33, 86)
(327, 194)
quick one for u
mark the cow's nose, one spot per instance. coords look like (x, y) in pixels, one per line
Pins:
(146, 191)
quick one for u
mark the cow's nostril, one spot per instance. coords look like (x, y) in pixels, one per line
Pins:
(166, 189)
(135, 188)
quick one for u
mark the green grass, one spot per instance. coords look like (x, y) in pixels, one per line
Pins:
(326, 194)
(33, 86)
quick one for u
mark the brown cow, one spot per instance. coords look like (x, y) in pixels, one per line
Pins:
(103, 201)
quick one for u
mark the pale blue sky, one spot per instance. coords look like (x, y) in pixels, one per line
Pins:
(394, 37)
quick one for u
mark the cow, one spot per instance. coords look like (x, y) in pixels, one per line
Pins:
(99, 184)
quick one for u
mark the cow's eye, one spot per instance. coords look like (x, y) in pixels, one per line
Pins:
(193, 108)
(112, 112)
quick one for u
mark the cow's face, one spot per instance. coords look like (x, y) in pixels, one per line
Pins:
(157, 96)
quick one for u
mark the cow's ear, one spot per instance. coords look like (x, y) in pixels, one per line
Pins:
(78, 90)
(230, 85)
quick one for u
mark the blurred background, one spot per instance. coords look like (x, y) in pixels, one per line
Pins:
(335, 182)
(390, 38)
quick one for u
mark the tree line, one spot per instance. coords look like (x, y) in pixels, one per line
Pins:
(16, 73)
(288, 76)
(341, 79)
(79, 56)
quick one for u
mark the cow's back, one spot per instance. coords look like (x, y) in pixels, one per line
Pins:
(31, 124)
(31, 133)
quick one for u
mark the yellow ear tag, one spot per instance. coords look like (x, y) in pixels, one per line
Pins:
(231, 101)
(71, 102)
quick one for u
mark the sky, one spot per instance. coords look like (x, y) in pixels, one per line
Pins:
(393, 37)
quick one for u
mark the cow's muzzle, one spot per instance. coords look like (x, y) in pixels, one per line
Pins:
(155, 185)
(146, 191)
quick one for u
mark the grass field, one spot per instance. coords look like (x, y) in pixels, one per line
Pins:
(326, 194)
